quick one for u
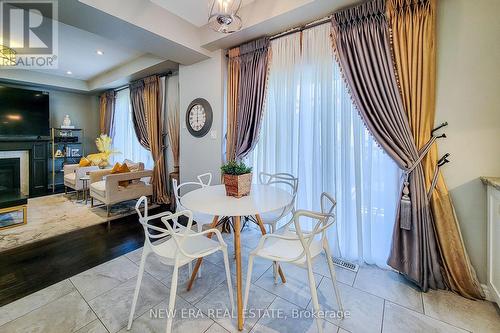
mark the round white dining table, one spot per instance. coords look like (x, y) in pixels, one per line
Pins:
(212, 200)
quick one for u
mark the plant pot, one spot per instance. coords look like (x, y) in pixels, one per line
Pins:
(238, 185)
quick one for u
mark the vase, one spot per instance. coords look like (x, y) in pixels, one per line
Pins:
(238, 185)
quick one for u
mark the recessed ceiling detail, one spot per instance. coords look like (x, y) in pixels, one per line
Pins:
(77, 50)
(195, 12)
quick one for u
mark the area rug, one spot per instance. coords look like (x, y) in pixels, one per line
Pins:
(57, 214)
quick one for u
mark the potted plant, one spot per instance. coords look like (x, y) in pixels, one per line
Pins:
(237, 178)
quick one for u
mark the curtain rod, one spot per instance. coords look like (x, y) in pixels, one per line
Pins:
(127, 85)
(301, 28)
(297, 29)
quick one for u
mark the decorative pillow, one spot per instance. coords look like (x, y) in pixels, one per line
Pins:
(84, 162)
(132, 165)
(121, 168)
(116, 168)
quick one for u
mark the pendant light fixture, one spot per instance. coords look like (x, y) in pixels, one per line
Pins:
(223, 16)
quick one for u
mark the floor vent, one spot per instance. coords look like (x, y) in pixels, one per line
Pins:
(345, 264)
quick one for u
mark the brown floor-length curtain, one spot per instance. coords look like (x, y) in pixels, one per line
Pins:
(413, 27)
(154, 121)
(138, 113)
(173, 123)
(233, 83)
(361, 44)
(107, 112)
(253, 60)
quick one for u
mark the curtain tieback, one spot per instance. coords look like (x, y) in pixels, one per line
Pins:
(405, 205)
(434, 182)
(442, 161)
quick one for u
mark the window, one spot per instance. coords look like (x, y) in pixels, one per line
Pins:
(312, 130)
(124, 139)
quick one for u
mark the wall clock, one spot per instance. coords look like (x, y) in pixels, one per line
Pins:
(199, 117)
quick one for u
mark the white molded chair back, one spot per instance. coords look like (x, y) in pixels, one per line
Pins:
(283, 180)
(203, 180)
(178, 233)
(324, 220)
(287, 179)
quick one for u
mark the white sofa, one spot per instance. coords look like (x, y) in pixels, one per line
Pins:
(105, 186)
(73, 174)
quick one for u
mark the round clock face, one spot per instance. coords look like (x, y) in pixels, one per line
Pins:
(197, 117)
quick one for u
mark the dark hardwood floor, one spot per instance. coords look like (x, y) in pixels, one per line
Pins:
(31, 267)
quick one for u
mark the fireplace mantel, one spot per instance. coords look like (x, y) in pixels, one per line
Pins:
(38, 162)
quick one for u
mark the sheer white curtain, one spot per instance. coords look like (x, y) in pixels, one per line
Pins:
(311, 129)
(124, 138)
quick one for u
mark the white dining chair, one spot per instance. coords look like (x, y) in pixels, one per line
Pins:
(288, 182)
(201, 219)
(299, 247)
(181, 246)
(203, 180)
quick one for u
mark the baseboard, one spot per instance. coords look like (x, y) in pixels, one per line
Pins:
(487, 293)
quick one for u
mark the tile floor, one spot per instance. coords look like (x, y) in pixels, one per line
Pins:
(98, 300)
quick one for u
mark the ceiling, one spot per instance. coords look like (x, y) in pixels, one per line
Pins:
(78, 53)
(193, 11)
(82, 31)
(137, 35)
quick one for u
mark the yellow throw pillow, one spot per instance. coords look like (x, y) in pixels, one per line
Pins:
(116, 168)
(121, 168)
(84, 162)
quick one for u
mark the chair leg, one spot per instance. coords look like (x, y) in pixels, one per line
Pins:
(314, 293)
(228, 278)
(65, 190)
(91, 202)
(108, 210)
(173, 293)
(248, 282)
(275, 263)
(137, 288)
(333, 275)
(200, 229)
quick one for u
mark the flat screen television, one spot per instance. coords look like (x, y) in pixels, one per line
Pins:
(23, 113)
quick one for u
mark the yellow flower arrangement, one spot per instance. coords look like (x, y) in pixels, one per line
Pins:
(104, 146)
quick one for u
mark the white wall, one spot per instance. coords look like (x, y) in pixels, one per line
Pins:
(199, 155)
(468, 97)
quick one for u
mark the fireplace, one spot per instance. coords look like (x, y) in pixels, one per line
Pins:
(33, 164)
(12, 200)
(10, 176)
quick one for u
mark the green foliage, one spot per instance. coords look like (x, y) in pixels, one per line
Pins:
(233, 168)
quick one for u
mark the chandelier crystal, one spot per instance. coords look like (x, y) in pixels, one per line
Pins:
(7, 56)
(223, 16)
